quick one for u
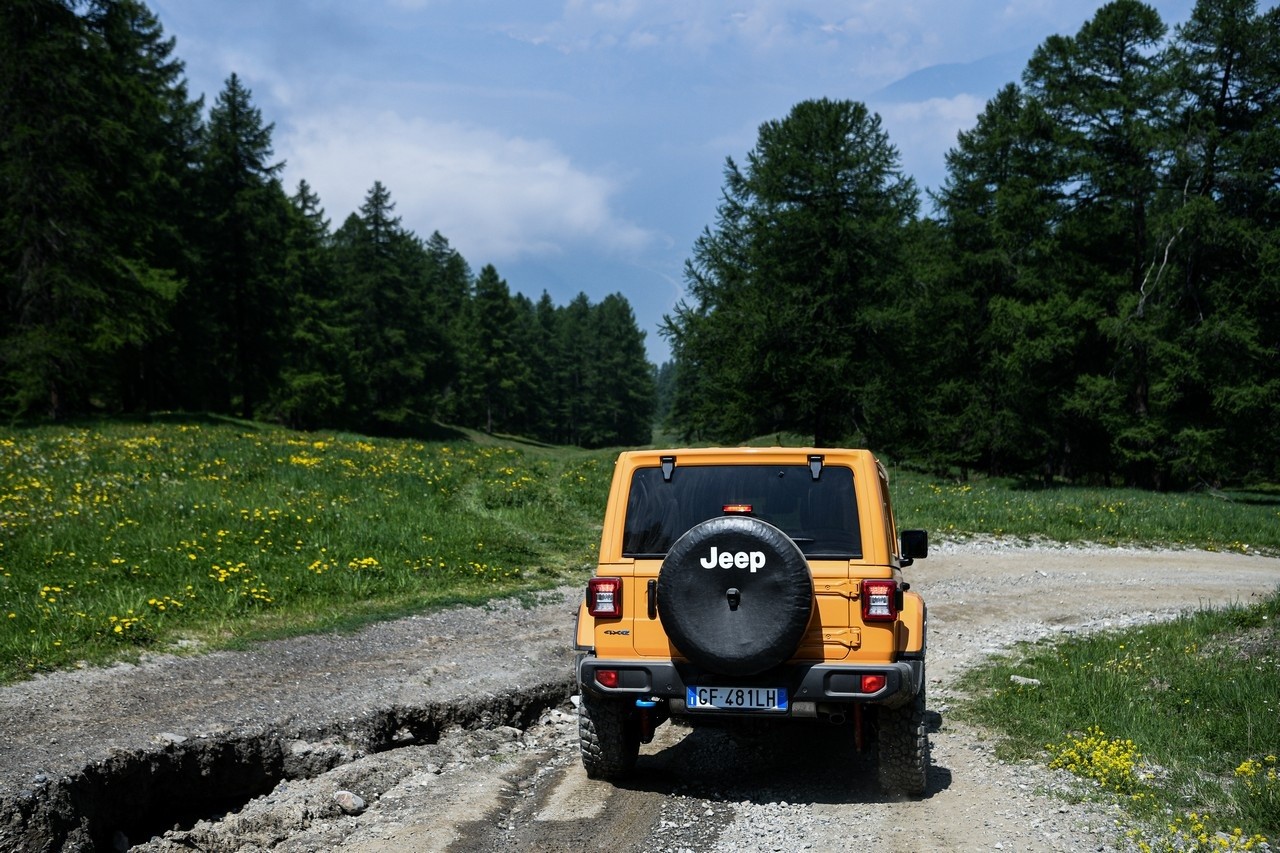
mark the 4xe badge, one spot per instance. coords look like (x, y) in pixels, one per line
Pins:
(753, 560)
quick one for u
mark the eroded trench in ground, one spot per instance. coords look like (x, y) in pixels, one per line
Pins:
(140, 795)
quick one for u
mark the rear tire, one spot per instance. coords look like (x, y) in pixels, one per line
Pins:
(904, 748)
(608, 737)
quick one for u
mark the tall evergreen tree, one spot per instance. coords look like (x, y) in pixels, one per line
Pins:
(232, 317)
(450, 277)
(787, 326)
(493, 375)
(550, 369)
(449, 289)
(573, 369)
(312, 386)
(534, 388)
(620, 397)
(401, 359)
(1109, 93)
(1217, 271)
(1004, 332)
(83, 105)
(150, 178)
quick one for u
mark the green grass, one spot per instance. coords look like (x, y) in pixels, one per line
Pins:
(121, 537)
(1178, 722)
(1242, 522)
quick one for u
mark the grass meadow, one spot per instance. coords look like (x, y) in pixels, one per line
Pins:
(1179, 723)
(1244, 522)
(121, 537)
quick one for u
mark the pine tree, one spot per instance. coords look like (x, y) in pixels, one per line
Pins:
(534, 390)
(787, 325)
(401, 359)
(1004, 333)
(232, 315)
(1109, 93)
(574, 370)
(150, 180)
(495, 374)
(312, 386)
(620, 398)
(1215, 273)
(83, 101)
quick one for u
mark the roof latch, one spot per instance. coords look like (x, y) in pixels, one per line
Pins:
(815, 465)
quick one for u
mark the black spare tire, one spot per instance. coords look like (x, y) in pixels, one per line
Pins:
(735, 595)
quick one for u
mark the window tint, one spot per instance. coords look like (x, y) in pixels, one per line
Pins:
(820, 515)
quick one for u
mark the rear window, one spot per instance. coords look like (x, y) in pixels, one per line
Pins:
(820, 515)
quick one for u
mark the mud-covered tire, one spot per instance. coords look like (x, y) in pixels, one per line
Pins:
(904, 748)
(608, 737)
(742, 619)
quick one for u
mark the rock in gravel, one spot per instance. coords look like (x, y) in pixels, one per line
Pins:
(350, 803)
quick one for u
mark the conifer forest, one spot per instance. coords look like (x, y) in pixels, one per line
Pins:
(1092, 294)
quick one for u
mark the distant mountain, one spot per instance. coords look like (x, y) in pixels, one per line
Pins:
(983, 78)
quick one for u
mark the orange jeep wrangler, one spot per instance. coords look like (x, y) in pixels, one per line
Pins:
(753, 583)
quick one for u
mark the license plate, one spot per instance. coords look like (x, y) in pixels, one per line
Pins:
(736, 699)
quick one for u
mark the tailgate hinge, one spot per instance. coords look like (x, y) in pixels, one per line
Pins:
(850, 638)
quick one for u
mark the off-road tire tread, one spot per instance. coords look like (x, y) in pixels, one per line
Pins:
(904, 748)
(608, 738)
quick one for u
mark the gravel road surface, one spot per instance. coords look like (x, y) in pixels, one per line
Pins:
(456, 731)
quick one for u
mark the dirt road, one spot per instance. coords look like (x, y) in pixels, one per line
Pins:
(454, 731)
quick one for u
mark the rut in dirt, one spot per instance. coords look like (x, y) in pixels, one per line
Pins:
(135, 796)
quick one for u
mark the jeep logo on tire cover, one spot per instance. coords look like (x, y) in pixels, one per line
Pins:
(735, 595)
(731, 560)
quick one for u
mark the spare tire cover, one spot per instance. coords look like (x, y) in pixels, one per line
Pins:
(735, 595)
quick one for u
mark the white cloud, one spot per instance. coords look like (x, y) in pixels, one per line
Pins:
(877, 41)
(924, 131)
(493, 197)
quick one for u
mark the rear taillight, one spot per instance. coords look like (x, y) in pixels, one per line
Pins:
(604, 597)
(879, 601)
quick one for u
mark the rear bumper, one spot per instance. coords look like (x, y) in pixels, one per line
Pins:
(806, 683)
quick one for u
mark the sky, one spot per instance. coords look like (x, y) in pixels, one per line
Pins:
(579, 146)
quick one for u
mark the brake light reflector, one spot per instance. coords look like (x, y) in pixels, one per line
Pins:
(607, 677)
(604, 597)
(879, 600)
(873, 683)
